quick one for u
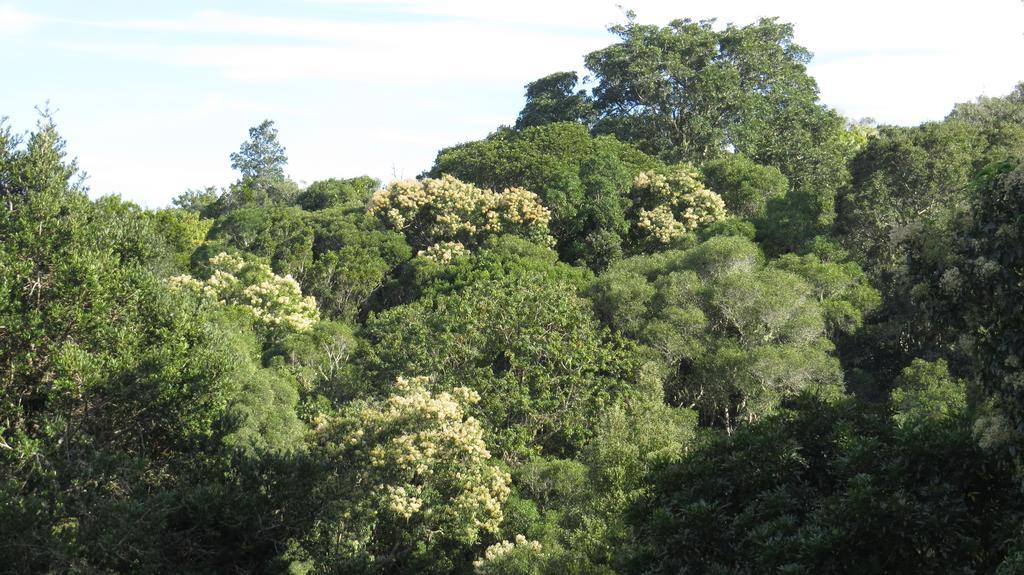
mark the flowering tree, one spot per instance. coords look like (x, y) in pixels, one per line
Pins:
(453, 213)
(519, 557)
(277, 302)
(672, 204)
(415, 485)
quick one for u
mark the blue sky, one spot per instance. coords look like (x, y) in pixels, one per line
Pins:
(153, 97)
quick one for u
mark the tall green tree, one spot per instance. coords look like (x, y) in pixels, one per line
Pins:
(731, 337)
(554, 98)
(584, 181)
(995, 298)
(260, 160)
(688, 92)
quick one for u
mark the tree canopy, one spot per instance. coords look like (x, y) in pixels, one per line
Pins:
(680, 318)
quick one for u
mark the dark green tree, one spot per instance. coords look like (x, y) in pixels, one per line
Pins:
(832, 488)
(745, 186)
(525, 341)
(554, 98)
(995, 299)
(351, 193)
(119, 402)
(261, 157)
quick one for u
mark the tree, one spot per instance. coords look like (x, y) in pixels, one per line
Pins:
(924, 390)
(668, 206)
(260, 160)
(903, 180)
(524, 340)
(994, 251)
(1000, 121)
(352, 261)
(902, 218)
(284, 236)
(843, 289)
(831, 488)
(554, 99)
(459, 215)
(276, 303)
(261, 157)
(745, 186)
(351, 193)
(686, 91)
(198, 201)
(122, 405)
(731, 337)
(412, 487)
(584, 181)
(182, 231)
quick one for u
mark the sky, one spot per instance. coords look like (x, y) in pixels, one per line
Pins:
(152, 97)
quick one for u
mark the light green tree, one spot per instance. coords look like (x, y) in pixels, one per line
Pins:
(412, 485)
(276, 302)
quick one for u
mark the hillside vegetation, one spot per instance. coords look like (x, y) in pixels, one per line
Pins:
(682, 319)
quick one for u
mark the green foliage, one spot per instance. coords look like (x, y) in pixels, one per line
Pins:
(575, 510)
(1000, 121)
(526, 342)
(925, 391)
(584, 181)
(332, 193)
(336, 254)
(903, 180)
(261, 416)
(498, 258)
(261, 157)
(688, 92)
(745, 186)
(351, 261)
(121, 404)
(553, 99)
(995, 252)
(603, 374)
(182, 231)
(411, 487)
(731, 336)
(260, 160)
(843, 289)
(831, 488)
(200, 201)
(282, 235)
(318, 360)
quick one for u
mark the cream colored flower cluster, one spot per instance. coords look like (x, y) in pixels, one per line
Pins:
(444, 252)
(661, 224)
(495, 555)
(448, 210)
(275, 301)
(677, 204)
(669, 187)
(428, 462)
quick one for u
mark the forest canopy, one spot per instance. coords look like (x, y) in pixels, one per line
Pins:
(680, 317)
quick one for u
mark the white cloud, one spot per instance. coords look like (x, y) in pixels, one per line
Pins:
(401, 54)
(13, 21)
(408, 77)
(469, 41)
